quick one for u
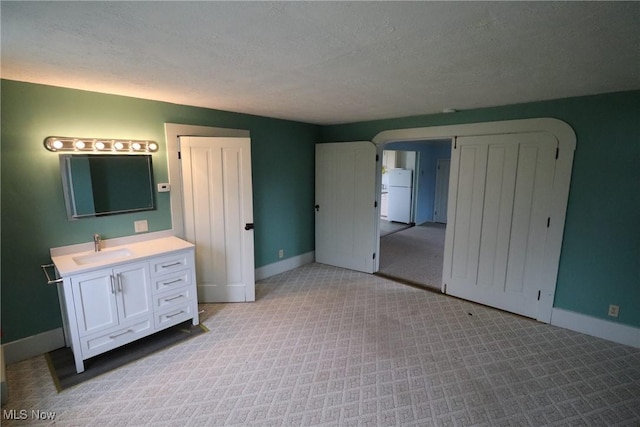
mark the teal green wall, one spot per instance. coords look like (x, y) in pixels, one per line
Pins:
(33, 211)
(600, 260)
(599, 265)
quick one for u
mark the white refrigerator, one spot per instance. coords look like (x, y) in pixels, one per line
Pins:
(399, 196)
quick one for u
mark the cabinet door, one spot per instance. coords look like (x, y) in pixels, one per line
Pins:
(133, 290)
(94, 299)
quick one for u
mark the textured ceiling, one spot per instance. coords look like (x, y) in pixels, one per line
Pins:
(326, 62)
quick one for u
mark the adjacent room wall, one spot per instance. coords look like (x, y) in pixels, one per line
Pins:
(600, 260)
(33, 211)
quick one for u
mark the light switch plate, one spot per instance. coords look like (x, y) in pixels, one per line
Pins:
(141, 226)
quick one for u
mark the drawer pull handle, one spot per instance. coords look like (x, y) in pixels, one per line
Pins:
(171, 265)
(171, 299)
(113, 288)
(175, 314)
(172, 282)
(117, 335)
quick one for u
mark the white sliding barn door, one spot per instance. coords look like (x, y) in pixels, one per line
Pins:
(345, 205)
(218, 215)
(499, 205)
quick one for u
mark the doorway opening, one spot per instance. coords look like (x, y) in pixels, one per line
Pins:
(413, 251)
(398, 190)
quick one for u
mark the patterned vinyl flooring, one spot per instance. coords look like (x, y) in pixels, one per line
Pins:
(332, 347)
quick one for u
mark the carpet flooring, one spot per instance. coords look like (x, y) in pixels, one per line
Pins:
(324, 346)
(414, 254)
(62, 364)
(389, 227)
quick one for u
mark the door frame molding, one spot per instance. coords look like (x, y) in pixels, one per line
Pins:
(172, 133)
(566, 139)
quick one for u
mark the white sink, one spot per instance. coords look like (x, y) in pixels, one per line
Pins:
(101, 256)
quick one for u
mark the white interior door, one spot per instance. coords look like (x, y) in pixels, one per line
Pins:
(345, 205)
(218, 215)
(442, 191)
(499, 205)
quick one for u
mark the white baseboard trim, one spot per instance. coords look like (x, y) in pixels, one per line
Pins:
(612, 331)
(284, 265)
(35, 345)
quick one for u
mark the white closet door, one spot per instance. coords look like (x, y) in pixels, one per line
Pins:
(345, 205)
(218, 216)
(501, 189)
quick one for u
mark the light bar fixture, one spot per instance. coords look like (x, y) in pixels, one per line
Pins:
(98, 145)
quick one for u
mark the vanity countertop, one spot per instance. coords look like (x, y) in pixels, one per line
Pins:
(67, 264)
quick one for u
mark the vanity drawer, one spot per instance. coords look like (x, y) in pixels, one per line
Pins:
(174, 316)
(172, 281)
(168, 300)
(171, 263)
(99, 343)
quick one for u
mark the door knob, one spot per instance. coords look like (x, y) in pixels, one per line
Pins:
(248, 226)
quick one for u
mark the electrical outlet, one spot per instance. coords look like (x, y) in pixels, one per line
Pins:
(281, 253)
(140, 226)
(614, 310)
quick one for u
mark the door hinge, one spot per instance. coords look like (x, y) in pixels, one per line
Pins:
(179, 155)
(455, 142)
(548, 222)
(557, 152)
(538, 295)
(377, 157)
(375, 204)
(445, 288)
(374, 255)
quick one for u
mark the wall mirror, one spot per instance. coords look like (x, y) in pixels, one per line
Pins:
(106, 184)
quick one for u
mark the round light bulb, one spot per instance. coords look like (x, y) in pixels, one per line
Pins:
(119, 145)
(135, 146)
(99, 145)
(79, 145)
(57, 144)
(153, 146)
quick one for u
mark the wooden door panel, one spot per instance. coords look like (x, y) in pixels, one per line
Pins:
(217, 205)
(345, 199)
(501, 194)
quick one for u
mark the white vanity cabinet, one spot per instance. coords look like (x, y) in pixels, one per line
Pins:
(112, 306)
(118, 299)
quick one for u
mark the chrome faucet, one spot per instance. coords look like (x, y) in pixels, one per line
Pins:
(96, 242)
